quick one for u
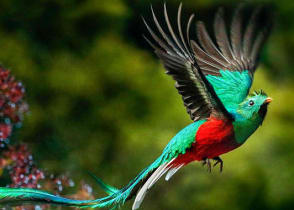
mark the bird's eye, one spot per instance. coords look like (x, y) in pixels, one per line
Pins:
(251, 103)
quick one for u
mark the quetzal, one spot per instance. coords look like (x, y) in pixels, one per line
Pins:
(214, 77)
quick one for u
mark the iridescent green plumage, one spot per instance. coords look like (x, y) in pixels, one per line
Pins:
(232, 87)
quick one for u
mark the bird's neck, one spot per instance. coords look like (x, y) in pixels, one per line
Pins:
(243, 128)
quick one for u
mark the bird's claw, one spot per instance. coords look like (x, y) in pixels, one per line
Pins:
(218, 161)
(206, 161)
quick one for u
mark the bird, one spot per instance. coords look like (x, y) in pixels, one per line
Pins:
(213, 74)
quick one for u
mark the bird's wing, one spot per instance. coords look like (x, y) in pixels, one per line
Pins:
(176, 54)
(230, 63)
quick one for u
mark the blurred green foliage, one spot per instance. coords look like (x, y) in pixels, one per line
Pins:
(100, 101)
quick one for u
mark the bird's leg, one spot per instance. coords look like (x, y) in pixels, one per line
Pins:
(206, 161)
(218, 161)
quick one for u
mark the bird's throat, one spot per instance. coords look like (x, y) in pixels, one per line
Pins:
(243, 129)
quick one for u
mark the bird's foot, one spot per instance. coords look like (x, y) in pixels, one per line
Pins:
(206, 161)
(218, 161)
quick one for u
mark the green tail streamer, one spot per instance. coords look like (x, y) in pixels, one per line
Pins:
(115, 198)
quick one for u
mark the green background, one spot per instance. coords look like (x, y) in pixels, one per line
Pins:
(100, 101)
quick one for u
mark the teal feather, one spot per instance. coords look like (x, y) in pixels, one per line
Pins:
(182, 140)
(177, 145)
(15, 195)
(107, 188)
(116, 197)
(247, 118)
(231, 87)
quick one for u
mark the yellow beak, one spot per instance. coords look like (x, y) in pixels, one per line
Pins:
(268, 100)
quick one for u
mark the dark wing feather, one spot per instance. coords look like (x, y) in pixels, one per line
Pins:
(238, 52)
(248, 38)
(176, 54)
(236, 38)
(221, 35)
(208, 46)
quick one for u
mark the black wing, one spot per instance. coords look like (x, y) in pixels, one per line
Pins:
(177, 56)
(238, 52)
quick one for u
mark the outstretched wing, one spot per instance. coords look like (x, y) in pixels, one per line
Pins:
(177, 56)
(232, 61)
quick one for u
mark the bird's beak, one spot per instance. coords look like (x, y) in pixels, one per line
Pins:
(268, 100)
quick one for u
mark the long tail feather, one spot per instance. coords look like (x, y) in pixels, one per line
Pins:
(21, 196)
(116, 197)
(160, 171)
(107, 188)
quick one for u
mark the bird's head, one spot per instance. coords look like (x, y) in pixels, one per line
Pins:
(255, 105)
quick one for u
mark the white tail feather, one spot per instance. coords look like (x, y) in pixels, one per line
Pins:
(160, 171)
(172, 171)
(158, 176)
